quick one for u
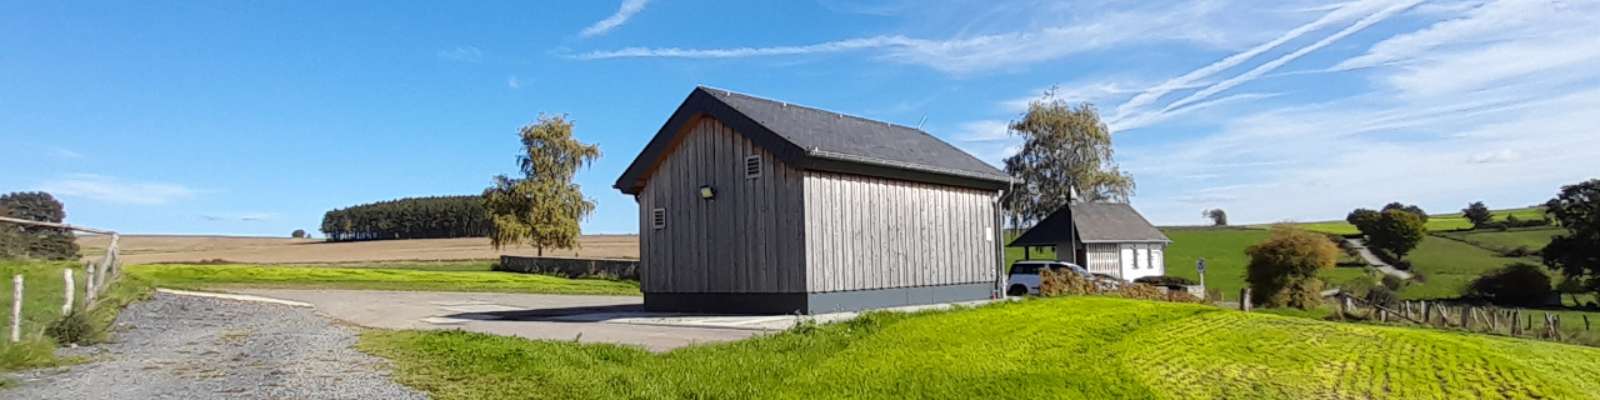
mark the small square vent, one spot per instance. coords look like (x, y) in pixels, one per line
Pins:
(658, 218)
(752, 167)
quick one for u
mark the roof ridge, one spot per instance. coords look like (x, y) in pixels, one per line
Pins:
(813, 108)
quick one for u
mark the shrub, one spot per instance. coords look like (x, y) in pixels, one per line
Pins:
(1052, 283)
(1283, 269)
(1520, 251)
(72, 328)
(1165, 280)
(18, 241)
(298, 234)
(1519, 284)
(1409, 209)
(1394, 283)
(1362, 218)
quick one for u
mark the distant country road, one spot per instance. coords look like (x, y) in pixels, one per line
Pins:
(1373, 260)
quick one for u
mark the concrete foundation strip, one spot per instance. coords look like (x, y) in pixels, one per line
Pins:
(236, 297)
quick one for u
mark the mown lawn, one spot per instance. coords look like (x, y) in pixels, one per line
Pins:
(1072, 348)
(1223, 249)
(447, 279)
(43, 295)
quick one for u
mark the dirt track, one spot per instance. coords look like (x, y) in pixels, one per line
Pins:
(145, 249)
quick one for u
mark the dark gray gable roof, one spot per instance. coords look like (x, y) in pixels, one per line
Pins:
(1113, 222)
(1094, 223)
(814, 139)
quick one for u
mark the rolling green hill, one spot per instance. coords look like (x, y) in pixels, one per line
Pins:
(1223, 249)
(1436, 222)
(1069, 348)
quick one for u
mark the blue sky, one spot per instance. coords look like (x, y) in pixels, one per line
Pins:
(254, 118)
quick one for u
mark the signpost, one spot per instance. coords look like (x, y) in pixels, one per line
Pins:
(1200, 266)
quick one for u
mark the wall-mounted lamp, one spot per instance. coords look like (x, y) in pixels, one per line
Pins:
(707, 192)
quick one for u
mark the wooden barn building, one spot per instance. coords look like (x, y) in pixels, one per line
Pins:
(1106, 238)
(752, 205)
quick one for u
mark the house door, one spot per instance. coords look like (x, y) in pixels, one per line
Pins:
(1127, 261)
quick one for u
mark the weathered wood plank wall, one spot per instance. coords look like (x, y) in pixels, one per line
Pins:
(874, 233)
(746, 240)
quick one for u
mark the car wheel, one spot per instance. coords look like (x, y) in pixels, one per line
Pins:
(1017, 290)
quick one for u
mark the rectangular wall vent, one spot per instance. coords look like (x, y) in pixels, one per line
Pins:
(658, 218)
(752, 167)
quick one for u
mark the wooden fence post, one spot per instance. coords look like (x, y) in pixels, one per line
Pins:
(90, 288)
(1585, 322)
(1466, 317)
(1244, 299)
(66, 306)
(16, 308)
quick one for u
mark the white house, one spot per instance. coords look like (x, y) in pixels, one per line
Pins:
(1107, 238)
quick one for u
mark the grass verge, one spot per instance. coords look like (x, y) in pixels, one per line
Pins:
(1081, 347)
(43, 295)
(450, 279)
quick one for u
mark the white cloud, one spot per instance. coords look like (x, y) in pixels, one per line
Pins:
(626, 11)
(1497, 156)
(469, 54)
(1078, 31)
(65, 154)
(989, 130)
(1153, 94)
(113, 190)
(513, 82)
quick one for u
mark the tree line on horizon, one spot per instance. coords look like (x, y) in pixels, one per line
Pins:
(409, 218)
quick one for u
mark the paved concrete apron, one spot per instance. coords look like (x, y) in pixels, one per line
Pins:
(588, 319)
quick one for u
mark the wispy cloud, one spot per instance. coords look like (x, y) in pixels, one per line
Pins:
(1186, 81)
(65, 154)
(117, 191)
(626, 11)
(1266, 67)
(968, 53)
(513, 82)
(469, 54)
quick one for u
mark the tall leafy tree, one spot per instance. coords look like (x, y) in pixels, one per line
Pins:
(1065, 149)
(409, 218)
(543, 208)
(35, 241)
(1217, 216)
(1478, 213)
(1577, 252)
(1396, 232)
(1410, 208)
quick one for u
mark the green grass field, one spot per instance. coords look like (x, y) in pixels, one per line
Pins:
(1448, 265)
(43, 295)
(1071, 348)
(422, 277)
(1530, 238)
(1223, 249)
(1436, 222)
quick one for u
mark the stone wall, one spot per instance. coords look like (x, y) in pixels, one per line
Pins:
(571, 267)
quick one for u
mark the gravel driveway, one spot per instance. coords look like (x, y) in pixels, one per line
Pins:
(181, 347)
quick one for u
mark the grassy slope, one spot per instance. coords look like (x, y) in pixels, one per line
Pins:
(1223, 249)
(1436, 223)
(186, 276)
(1447, 265)
(1083, 347)
(43, 291)
(1530, 238)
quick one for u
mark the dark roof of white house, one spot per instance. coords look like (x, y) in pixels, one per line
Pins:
(816, 139)
(1095, 222)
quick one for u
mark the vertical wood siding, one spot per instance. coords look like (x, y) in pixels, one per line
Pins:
(747, 240)
(874, 233)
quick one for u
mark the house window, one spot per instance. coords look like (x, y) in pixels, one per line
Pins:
(1143, 259)
(658, 218)
(752, 167)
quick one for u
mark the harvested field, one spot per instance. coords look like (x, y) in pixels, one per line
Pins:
(147, 249)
